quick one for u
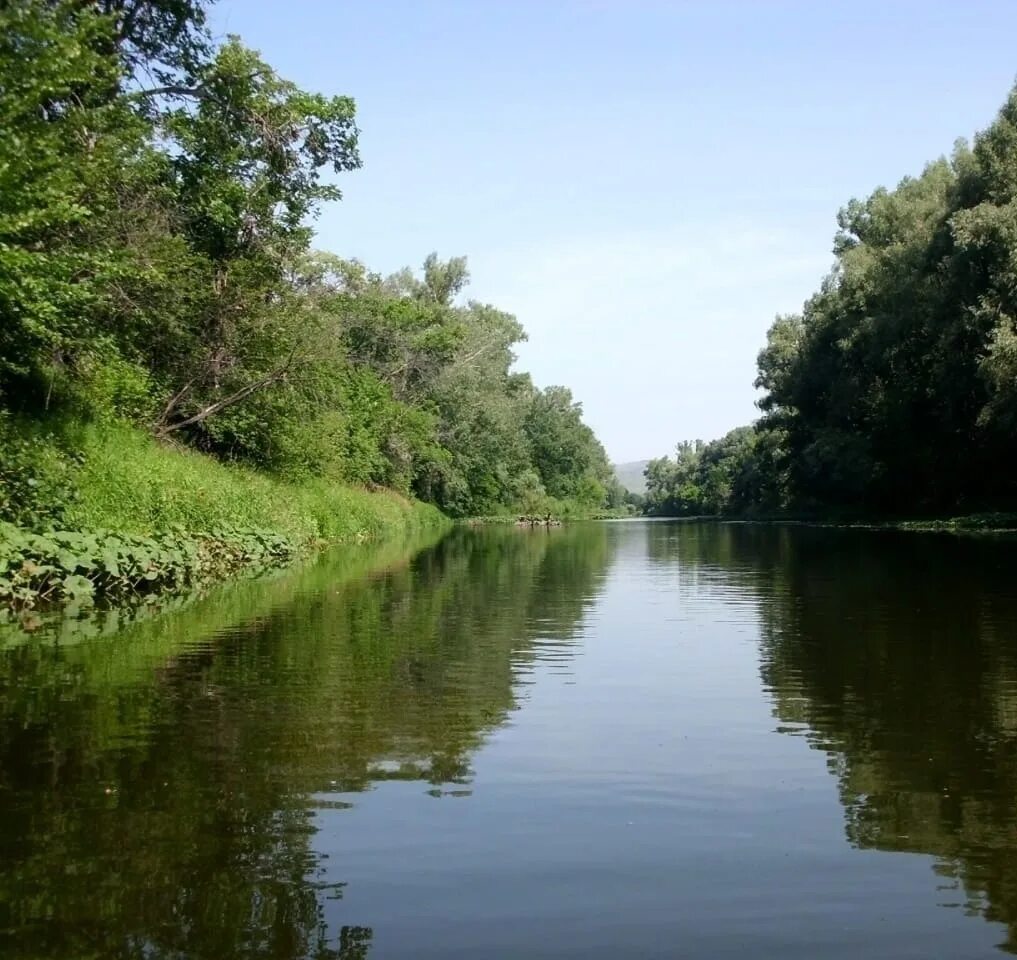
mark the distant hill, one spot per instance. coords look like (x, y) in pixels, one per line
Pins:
(630, 475)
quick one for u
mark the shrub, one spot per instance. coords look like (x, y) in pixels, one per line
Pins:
(38, 478)
(62, 566)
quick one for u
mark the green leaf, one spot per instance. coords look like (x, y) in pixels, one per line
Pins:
(76, 587)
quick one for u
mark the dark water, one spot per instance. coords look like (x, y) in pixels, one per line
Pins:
(610, 740)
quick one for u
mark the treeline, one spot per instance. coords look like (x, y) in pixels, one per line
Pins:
(157, 267)
(894, 391)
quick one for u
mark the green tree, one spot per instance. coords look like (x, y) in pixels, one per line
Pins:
(157, 195)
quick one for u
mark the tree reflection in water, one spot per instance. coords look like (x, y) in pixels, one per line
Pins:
(159, 788)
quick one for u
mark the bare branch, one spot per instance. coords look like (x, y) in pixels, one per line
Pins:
(174, 400)
(242, 394)
(199, 92)
(476, 353)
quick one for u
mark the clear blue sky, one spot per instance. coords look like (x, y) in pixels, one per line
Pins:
(644, 184)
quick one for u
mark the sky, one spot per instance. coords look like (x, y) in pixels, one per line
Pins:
(644, 184)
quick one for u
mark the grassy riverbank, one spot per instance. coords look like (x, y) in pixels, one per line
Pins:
(171, 620)
(104, 512)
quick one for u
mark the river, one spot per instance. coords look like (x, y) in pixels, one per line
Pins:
(622, 739)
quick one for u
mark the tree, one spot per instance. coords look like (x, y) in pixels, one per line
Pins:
(566, 453)
(893, 390)
(155, 265)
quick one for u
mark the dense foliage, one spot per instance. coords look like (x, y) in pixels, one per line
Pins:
(74, 566)
(895, 389)
(734, 474)
(156, 266)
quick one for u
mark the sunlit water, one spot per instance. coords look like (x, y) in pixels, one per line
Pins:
(632, 739)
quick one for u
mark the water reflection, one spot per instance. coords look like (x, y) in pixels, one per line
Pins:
(896, 654)
(286, 769)
(159, 791)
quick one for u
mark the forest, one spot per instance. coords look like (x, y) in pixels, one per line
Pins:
(158, 275)
(893, 393)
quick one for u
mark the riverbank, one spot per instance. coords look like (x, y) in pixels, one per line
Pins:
(107, 514)
(168, 621)
(564, 512)
(986, 523)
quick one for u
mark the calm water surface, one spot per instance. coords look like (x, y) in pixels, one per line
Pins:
(611, 740)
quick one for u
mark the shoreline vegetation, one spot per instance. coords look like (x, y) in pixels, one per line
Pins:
(975, 523)
(188, 388)
(893, 392)
(164, 617)
(137, 519)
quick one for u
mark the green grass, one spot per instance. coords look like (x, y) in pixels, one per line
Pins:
(131, 484)
(103, 512)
